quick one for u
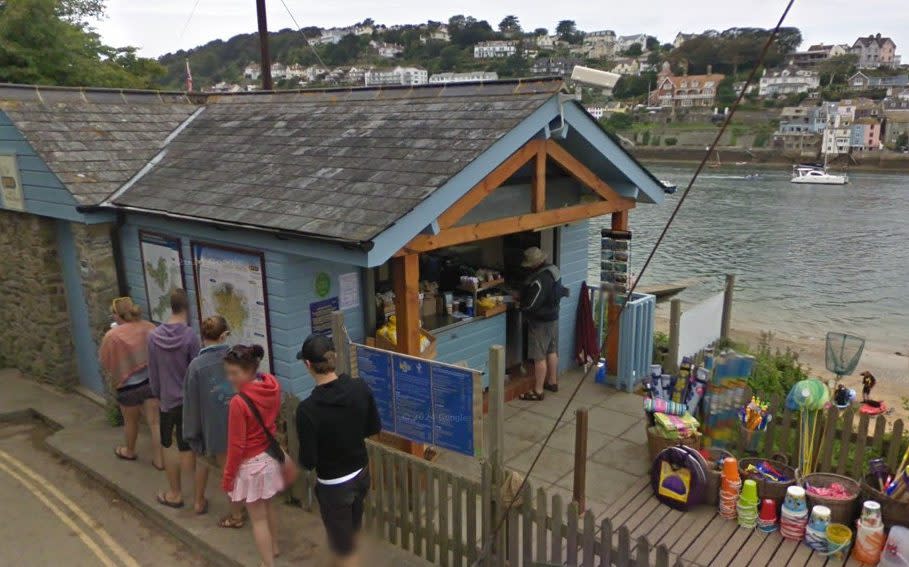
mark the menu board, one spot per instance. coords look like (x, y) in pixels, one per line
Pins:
(374, 367)
(413, 398)
(423, 400)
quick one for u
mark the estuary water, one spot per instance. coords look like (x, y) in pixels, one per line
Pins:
(808, 259)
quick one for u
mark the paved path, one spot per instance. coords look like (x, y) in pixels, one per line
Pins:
(60, 517)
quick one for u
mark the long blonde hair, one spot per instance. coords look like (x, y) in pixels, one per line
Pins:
(125, 309)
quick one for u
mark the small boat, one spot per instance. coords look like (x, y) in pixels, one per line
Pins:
(669, 187)
(715, 164)
(752, 176)
(663, 292)
(815, 175)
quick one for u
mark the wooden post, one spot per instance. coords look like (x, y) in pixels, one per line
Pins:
(264, 56)
(339, 338)
(405, 274)
(538, 203)
(619, 222)
(580, 459)
(496, 414)
(727, 306)
(675, 316)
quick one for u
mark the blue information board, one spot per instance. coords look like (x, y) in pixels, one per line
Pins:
(422, 400)
(413, 398)
(452, 406)
(375, 369)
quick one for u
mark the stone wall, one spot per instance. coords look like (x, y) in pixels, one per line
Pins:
(99, 274)
(34, 320)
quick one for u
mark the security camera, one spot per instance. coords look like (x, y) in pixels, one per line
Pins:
(595, 77)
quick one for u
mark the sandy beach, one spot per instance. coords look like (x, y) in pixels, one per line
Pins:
(889, 367)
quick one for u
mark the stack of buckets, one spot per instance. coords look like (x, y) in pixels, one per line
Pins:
(729, 488)
(767, 520)
(816, 531)
(794, 518)
(747, 508)
(869, 537)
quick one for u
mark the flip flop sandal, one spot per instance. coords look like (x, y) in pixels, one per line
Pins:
(120, 455)
(232, 522)
(162, 499)
(551, 387)
(531, 396)
(204, 510)
(161, 468)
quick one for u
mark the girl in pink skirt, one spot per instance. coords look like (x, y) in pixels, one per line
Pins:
(251, 474)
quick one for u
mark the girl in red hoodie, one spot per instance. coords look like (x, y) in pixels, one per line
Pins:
(252, 476)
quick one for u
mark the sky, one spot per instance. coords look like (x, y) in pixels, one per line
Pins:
(161, 26)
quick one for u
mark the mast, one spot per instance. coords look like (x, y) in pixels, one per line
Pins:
(265, 58)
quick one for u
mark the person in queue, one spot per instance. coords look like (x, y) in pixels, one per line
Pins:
(333, 423)
(540, 298)
(206, 399)
(171, 347)
(124, 357)
(251, 475)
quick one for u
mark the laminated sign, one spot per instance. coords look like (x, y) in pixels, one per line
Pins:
(10, 185)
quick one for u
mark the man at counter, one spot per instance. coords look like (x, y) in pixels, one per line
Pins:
(540, 298)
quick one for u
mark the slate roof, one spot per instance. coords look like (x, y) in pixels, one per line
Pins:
(338, 164)
(94, 140)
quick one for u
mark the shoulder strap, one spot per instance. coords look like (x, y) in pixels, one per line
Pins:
(255, 411)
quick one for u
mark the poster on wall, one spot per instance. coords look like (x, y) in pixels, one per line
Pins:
(349, 294)
(231, 283)
(11, 196)
(320, 316)
(162, 264)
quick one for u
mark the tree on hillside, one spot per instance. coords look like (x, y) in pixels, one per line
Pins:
(630, 86)
(835, 70)
(540, 31)
(49, 42)
(733, 50)
(513, 66)
(450, 58)
(652, 43)
(567, 30)
(346, 51)
(467, 30)
(634, 50)
(510, 26)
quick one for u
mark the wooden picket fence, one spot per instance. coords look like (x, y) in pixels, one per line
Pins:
(846, 442)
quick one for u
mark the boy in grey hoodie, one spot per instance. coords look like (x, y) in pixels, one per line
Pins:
(171, 347)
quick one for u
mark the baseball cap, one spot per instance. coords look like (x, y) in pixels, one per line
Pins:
(314, 348)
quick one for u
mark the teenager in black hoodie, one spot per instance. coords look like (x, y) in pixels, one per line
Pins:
(333, 424)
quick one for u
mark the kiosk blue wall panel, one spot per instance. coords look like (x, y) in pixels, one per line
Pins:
(289, 278)
(573, 263)
(470, 343)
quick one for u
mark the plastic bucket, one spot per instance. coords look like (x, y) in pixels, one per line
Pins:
(839, 540)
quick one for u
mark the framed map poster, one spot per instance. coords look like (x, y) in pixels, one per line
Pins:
(162, 267)
(231, 282)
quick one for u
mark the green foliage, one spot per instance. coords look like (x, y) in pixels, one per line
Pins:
(617, 121)
(567, 30)
(510, 25)
(836, 70)
(734, 49)
(645, 138)
(629, 86)
(513, 66)
(112, 414)
(725, 93)
(46, 42)
(902, 141)
(660, 346)
(655, 141)
(761, 139)
(467, 30)
(775, 371)
(634, 50)
(671, 141)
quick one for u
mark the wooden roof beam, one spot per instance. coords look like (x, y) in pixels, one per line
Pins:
(490, 183)
(469, 233)
(582, 173)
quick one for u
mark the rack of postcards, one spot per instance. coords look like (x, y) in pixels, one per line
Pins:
(615, 263)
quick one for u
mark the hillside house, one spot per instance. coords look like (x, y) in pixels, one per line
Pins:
(467, 77)
(685, 91)
(624, 42)
(787, 81)
(398, 76)
(862, 81)
(866, 135)
(817, 53)
(897, 127)
(553, 66)
(874, 52)
(387, 50)
(495, 49)
(252, 71)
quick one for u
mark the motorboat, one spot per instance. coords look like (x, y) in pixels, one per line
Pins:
(668, 186)
(816, 175)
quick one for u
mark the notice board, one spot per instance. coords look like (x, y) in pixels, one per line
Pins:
(425, 401)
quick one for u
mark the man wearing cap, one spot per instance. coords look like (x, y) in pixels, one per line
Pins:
(332, 424)
(540, 298)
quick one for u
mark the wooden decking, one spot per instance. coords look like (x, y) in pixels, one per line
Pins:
(700, 537)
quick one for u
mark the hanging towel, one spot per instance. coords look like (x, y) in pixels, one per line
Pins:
(587, 345)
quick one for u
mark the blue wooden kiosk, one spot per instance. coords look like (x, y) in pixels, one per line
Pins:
(322, 194)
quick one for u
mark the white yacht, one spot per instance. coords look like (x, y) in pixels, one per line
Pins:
(816, 175)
